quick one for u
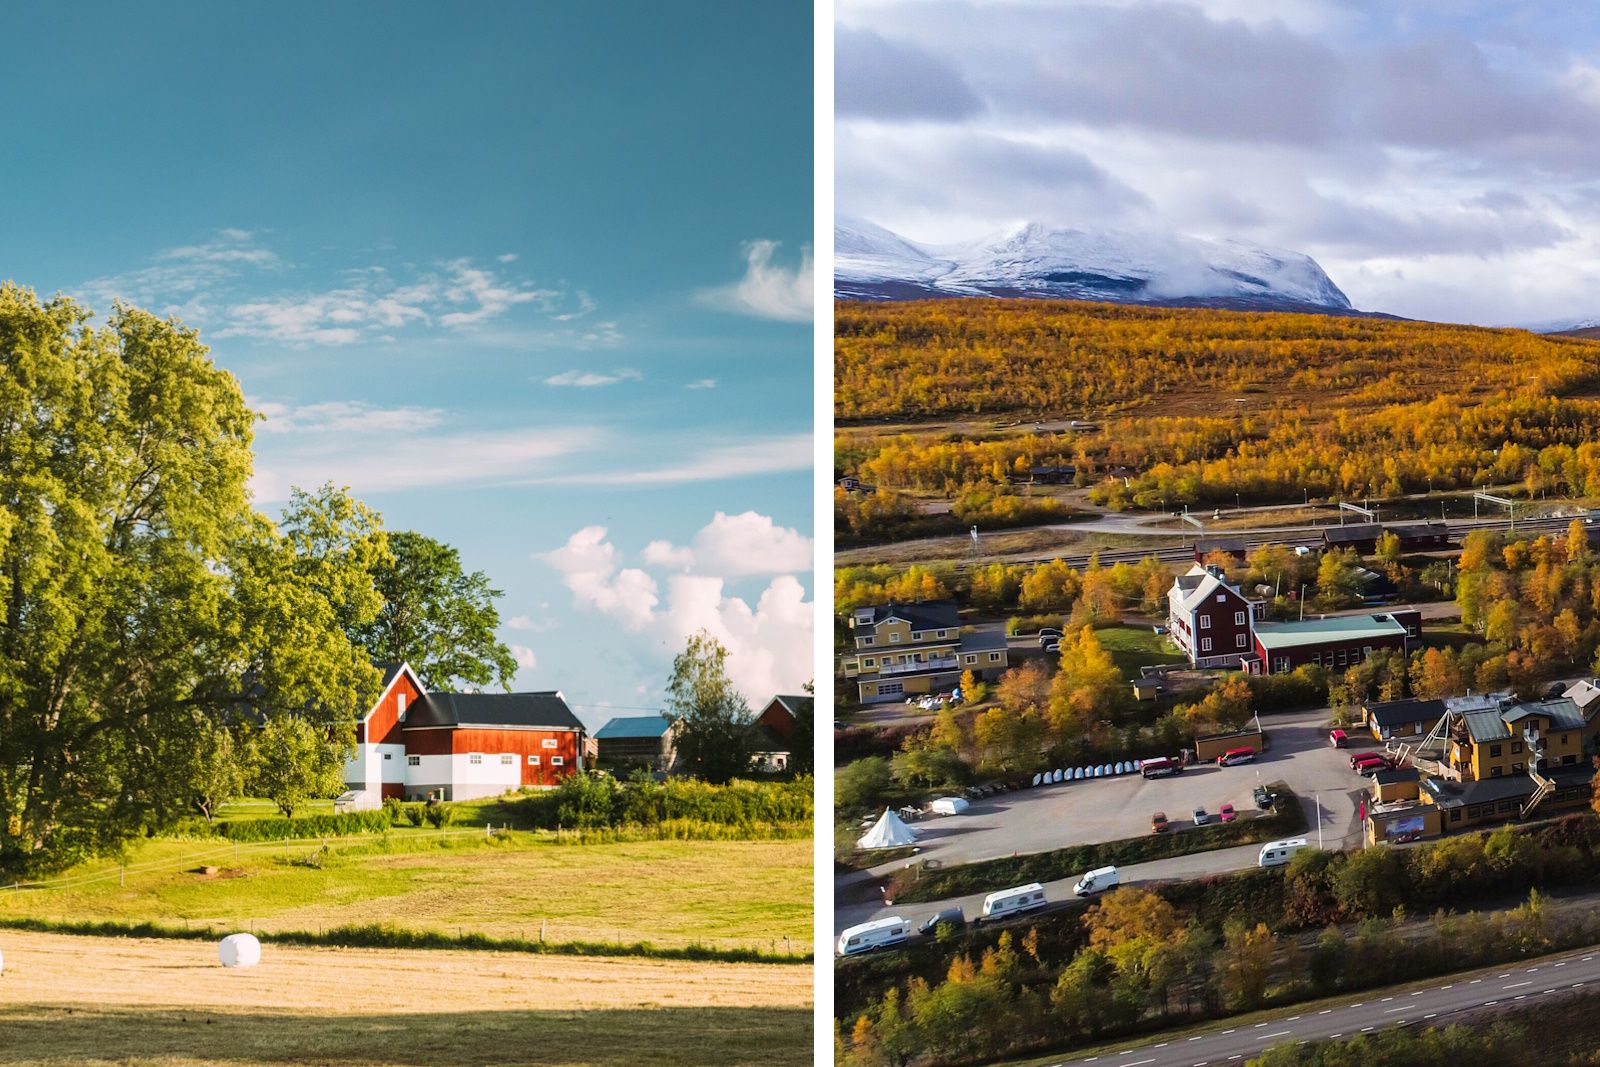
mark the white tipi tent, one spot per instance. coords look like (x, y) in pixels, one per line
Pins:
(890, 831)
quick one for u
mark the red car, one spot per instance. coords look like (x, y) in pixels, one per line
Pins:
(1362, 757)
(1376, 763)
(1226, 813)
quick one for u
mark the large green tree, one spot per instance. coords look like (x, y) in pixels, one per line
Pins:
(436, 616)
(142, 598)
(717, 739)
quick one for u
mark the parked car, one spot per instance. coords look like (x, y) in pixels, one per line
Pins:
(1047, 632)
(1201, 816)
(1052, 645)
(1362, 757)
(1226, 813)
(1374, 765)
(1236, 755)
(1264, 798)
(953, 917)
(1097, 881)
(1159, 824)
(1337, 738)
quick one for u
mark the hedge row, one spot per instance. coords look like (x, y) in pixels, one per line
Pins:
(586, 801)
(337, 825)
(920, 884)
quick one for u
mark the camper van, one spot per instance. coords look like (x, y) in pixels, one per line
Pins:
(879, 933)
(1162, 767)
(1011, 901)
(1277, 853)
(1097, 881)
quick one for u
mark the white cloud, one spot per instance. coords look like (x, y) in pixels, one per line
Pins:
(343, 416)
(750, 543)
(735, 460)
(667, 554)
(588, 566)
(487, 295)
(767, 290)
(385, 461)
(769, 643)
(519, 622)
(590, 379)
(506, 257)
(703, 383)
(524, 656)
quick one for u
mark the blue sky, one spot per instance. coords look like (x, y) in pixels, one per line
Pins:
(531, 279)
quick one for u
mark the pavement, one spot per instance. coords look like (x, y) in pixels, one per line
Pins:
(1109, 809)
(1432, 1005)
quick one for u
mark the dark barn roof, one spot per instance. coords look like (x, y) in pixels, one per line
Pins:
(546, 710)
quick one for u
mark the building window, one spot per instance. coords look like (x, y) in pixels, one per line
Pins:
(1238, 640)
(400, 704)
(1494, 751)
(1238, 618)
(869, 662)
(387, 756)
(1516, 747)
(1205, 622)
(508, 759)
(1455, 814)
(1494, 772)
(942, 633)
(557, 761)
(867, 640)
(994, 657)
(550, 742)
(413, 761)
(972, 657)
(1222, 598)
(1205, 644)
(533, 761)
(475, 758)
(894, 638)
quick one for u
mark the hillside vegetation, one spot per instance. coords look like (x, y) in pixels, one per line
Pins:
(1326, 404)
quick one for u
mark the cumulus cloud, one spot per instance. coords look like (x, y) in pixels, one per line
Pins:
(750, 543)
(524, 656)
(767, 290)
(666, 554)
(768, 642)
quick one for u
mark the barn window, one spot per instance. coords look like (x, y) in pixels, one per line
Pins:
(994, 657)
(475, 758)
(413, 761)
(557, 761)
(400, 704)
(508, 759)
(1205, 644)
(1238, 618)
(1205, 622)
(533, 761)
(551, 742)
(387, 755)
(1238, 640)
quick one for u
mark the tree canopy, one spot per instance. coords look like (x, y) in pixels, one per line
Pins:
(716, 741)
(143, 599)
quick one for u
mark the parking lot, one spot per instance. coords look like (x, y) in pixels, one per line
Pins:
(1108, 809)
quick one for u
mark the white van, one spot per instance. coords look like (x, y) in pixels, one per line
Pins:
(1097, 881)
(879, 933)
(1277, 853)
(1011, 901)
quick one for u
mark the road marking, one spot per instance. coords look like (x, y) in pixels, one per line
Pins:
(1506, 975)
(1269, 1037)
(1260, 1025)
(1197, 1038)
(1491, 1003)
(1230, 1031)
(1517, 985)
(1520, 996)
(1385, 1000)
(1561, 964)
(1333, 1036)
(1452, 985)
(1575, 985)
(1418, 993)
(1291, 1018)
(1475, 981)
(1136, 1063)
(1544, 991)
(1430, 1015)
(1325, 1011)
(1162, 1045)
(1586, 959)
(1358, 1004)
(1366, 1029)
(1391, 1011)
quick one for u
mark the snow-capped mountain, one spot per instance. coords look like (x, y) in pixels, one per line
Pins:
(873, 263)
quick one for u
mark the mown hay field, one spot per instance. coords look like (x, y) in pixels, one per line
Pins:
(167, 1003)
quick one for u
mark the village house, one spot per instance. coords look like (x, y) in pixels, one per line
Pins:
(414, 744)
(1362, 537)
(1395, 720)
(1210, 619)
(905, 649)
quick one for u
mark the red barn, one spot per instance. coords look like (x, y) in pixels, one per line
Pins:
(459, 746)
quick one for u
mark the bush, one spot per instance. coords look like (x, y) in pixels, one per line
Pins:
(338, 825)
(416, 814)
(587, 801)
(394, 810)
(1031, 624)
(440, 815)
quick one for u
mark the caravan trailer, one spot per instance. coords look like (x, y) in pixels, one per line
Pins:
(1278, 853)
(879, 933)
(1012, 901)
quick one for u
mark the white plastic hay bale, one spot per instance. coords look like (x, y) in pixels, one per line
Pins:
(239, 950)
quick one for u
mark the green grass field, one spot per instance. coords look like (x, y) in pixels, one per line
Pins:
(746, 894)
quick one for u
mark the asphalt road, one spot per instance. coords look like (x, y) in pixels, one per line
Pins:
(1432, 1005)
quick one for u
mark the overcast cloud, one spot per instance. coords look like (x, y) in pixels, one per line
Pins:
(1437, 158)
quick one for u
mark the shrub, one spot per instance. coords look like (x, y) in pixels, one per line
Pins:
(440, 815)
(337, 825)
(585, 801)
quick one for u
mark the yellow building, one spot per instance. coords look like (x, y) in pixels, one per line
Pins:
(902, 650)
(1516, 740)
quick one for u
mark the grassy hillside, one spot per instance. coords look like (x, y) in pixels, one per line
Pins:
(669, 893)
(1196, 406)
